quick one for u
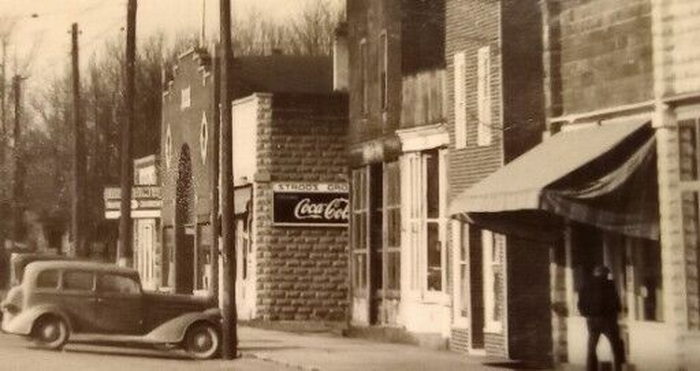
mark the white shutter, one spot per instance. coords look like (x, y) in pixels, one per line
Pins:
(484, 96)
(460, 99)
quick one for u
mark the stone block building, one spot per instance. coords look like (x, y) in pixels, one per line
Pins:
(614, 181)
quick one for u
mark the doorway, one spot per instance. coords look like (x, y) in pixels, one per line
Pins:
(476, 270)
(184, 227)
(376, 244)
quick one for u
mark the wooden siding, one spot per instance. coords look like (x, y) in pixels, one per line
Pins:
(423, 99)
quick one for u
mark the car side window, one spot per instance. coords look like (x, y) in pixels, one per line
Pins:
(77, 280)
(47, 279)
(115, 284)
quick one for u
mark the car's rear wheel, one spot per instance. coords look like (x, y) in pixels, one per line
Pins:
(202, 341)
(50, 332)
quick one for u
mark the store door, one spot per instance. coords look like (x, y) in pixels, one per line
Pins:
(476, 263)
(376, 245)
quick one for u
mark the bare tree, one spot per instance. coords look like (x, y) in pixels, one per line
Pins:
(310, 32)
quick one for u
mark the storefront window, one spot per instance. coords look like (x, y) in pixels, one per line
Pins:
(688, 149)
(688, 141)
(360, 213)
(434, 246)
(393, 225)
(648, 289)
(494, 247)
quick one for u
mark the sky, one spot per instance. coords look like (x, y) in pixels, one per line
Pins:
(43, 25)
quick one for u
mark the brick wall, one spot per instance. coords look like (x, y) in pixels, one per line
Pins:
(415, 43)
(302, 272)
(185, 130)
(523, 92)
(367, 20)
(470, 25)
(606, 53)
(529, 314)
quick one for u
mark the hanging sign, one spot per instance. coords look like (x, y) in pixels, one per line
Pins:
(311, 204)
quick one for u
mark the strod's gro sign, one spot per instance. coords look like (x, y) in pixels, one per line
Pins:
(311, 204)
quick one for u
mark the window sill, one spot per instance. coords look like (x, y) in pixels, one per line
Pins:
(435, 297)
(493, 328)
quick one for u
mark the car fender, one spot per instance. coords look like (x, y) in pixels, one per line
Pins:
(173, 331)
(23, 322)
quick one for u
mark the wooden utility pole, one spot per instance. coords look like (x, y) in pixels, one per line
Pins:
(215, 153)
(124, 252)
(228, 305)
(18, 185)
(3, 139)
(78, 199)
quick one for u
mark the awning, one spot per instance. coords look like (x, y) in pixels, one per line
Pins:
(601, 175)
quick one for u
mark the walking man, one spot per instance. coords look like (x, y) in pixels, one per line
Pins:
(600, 304)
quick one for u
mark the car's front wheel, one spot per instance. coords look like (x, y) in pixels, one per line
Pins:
(50, 332)
(202, 341)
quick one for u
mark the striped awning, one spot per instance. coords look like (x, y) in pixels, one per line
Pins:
(600, 175)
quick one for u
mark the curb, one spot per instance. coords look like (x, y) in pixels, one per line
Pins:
(283, 363)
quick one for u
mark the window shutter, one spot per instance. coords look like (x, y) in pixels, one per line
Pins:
(484, 96)
(460, 100)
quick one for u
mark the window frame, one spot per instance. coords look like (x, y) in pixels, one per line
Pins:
(392, 206)
(690, 116)
(491, 266)
(66, 272)
(383, 67)
(57, 286)
(360, 208)
(414, 199)
(483, 94)
(364, 77)
(101, 292)
(460, 98)
(461, 294)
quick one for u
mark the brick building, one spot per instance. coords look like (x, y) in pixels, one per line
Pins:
(493, 51)
(289, 154)
(398, 147)
(615, 180)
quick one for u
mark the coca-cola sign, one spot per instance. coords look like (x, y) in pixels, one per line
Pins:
(311, 204)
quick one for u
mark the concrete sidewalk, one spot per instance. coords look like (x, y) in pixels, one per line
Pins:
(330, 352)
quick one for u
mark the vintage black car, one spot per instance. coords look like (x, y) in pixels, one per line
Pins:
(58, 301)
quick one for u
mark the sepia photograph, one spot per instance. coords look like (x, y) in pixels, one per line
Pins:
(343, 185)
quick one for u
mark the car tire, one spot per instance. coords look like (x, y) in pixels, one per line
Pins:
(202, 341)
(50, 332)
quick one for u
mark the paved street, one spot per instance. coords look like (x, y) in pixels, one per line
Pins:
(19, 355)
(262, 350)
